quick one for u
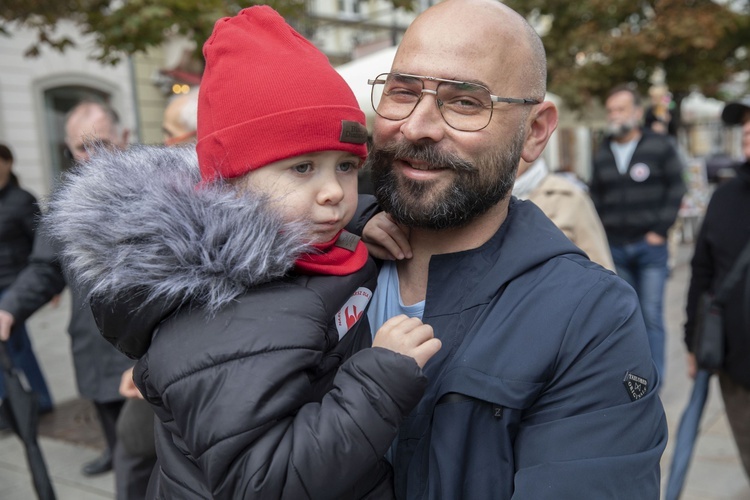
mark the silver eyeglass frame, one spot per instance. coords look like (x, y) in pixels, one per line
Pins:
(493, 98)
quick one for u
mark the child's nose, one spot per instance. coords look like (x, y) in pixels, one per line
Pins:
(331, 191)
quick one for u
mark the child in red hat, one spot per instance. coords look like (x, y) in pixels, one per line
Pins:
(230, 276)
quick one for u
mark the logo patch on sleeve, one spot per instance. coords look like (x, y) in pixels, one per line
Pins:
(352, 310)
(636, 386)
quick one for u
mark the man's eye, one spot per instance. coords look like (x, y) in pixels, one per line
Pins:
(402, 94)
(302, 168)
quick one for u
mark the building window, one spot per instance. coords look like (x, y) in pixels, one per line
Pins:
(349, 9)
(57, 102)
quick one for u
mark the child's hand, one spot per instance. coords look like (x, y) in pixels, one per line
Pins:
(385, 239)
(408, 336)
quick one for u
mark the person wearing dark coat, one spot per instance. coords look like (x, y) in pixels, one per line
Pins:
(18, 219)
(226, 270)
(544, 386)
(724, 233)
(98, 366)
(637, 188)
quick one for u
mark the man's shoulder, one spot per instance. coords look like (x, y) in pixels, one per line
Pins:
(19, 196)
(555, 184)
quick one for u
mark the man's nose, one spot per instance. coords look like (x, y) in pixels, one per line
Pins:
(426, 121)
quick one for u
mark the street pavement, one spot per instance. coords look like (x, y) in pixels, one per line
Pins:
(70, 436)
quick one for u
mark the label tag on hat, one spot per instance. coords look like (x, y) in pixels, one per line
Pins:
(353, 132)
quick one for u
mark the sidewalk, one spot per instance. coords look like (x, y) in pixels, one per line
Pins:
(715, 473)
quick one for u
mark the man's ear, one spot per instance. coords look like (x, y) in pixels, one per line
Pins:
(542, 122)
(125, 137)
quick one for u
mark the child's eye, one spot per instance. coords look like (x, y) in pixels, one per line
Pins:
(348, 166)
(302, 168)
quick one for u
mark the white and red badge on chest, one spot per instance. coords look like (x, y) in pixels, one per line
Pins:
(352, 310)
(640, 172)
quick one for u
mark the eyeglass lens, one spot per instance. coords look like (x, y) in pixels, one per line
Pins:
(464, 106)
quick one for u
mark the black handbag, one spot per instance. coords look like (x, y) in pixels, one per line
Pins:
(708, 338)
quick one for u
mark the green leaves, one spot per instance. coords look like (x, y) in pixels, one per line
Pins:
(593, 45)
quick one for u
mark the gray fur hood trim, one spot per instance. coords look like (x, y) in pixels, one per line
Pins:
(134, 221)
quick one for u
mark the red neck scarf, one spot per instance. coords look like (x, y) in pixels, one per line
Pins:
(343, 255)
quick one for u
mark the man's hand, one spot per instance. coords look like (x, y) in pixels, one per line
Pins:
(655, 239)
(6, 324)
(386, 240)
(128, 388)
(408, 336)
(692, 365)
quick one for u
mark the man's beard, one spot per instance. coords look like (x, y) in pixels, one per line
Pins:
(477, 186)
(617, 130)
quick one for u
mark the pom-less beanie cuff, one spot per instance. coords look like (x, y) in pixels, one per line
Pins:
(234, 151)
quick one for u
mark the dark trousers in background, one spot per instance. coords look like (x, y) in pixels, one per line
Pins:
(132, 473)
(23, 357)
(135, 454)
(737, 405)
(645, 268)
(108, 414)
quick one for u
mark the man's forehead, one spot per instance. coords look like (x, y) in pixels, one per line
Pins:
(462, 54)
(89, 125)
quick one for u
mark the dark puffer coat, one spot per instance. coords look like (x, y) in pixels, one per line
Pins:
(18, 217)
(260, 378)
(724, 233)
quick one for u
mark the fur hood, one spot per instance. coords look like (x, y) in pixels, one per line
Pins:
(135, 222)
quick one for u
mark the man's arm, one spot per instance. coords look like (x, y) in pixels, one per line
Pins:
(36, 285)
(598, 429)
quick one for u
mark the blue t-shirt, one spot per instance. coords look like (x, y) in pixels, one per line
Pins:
(386, 301)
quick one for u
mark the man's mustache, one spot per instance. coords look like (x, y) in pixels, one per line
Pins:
(427, 153)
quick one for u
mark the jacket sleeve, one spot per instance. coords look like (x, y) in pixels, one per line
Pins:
(589, 232)
(30, 217)
(39, 281)
(367, 207)
(701, 277)
(587, 433)
(249, 424)
(674, 190)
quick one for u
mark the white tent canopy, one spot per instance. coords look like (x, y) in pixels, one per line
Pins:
(357, 72)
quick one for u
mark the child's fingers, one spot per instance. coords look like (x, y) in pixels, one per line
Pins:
(381, 245)
(382, 234)
(399, 325)
(398, 238)
(425, 351)
(379, 252)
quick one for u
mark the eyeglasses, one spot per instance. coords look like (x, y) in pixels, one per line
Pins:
(464, 106)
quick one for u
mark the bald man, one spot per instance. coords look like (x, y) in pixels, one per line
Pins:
(181, 119)
(90, 124)
(544, 387)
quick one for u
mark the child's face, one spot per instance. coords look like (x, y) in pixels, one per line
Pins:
(318, 187)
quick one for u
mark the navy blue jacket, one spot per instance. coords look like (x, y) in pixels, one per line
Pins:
(544, 387)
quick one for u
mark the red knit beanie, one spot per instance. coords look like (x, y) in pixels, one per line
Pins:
(268, 94)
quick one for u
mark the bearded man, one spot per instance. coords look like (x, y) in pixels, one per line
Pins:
(544, 387)
(637, 189)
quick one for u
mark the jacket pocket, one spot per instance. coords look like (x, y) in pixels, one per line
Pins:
(471, 452)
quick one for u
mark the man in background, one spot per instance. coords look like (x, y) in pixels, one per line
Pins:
(637, 189)
(98, 366)
(181, 119)
(567, 205)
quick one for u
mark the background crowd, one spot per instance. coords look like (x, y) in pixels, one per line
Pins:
(622, 218)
